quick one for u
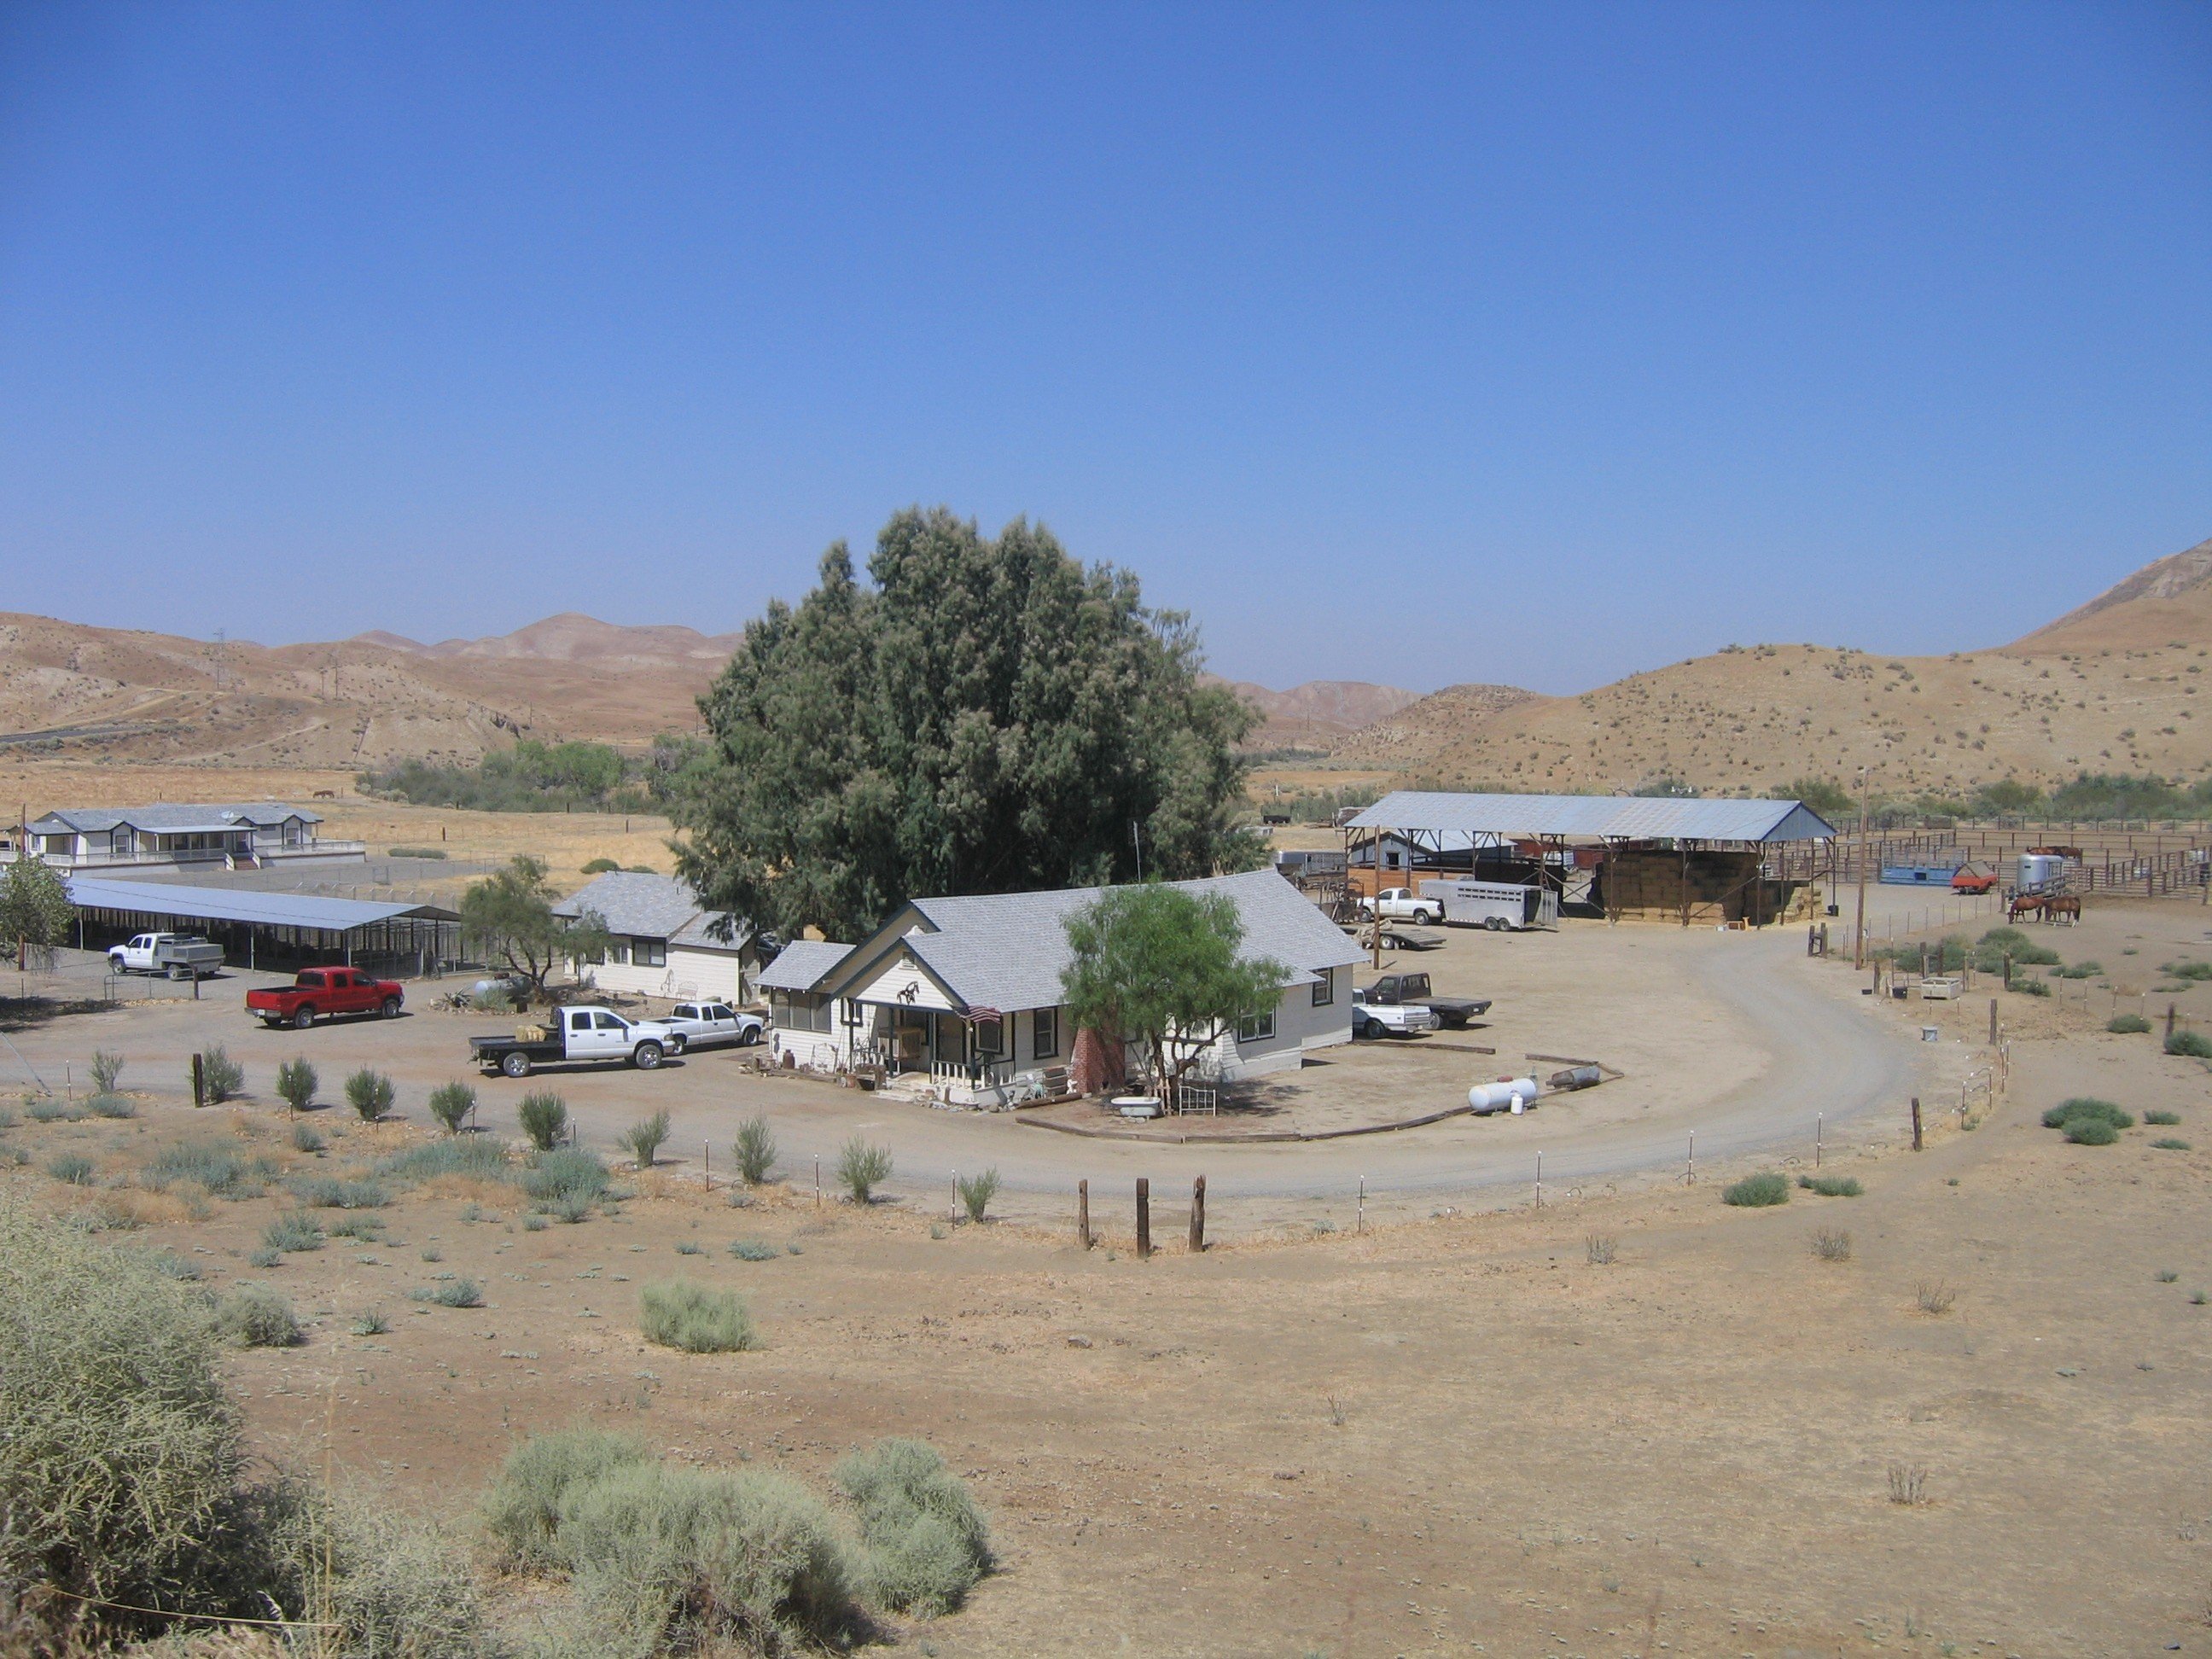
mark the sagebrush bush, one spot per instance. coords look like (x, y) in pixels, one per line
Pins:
(1757, 1191)
(2032, 988)
(522, 1507)
(106, 1105)
(71, 1169)
(976, 1192)
(2193, 1045)
(567, 1172)
(2161, 1118)
(684, 1560)
(479, 1157)
(2184, 969)
(330, 1192)
(545, 1118)
(307, 1138)
(370, 1093)
(928, 1542)
(296, 1082)
(1830, 1244)
(219, 1167)
(292, 1230)
(1832, 1186)
(454, 1292)
(756, 1150)
(47, 1109)
(1600, 1250)
(394, 1587)
(2087, 1107)
(2170, 1144)
(2089, 1131)
(255, 1317)
(677, 1314)
(754, 1249)
(223, 1078)
(2127, 1023)
(645, 1137)
(105, 1068)
(861, 1168)
(450, 1104)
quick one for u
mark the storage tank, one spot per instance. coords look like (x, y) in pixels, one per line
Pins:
(1499, 1096)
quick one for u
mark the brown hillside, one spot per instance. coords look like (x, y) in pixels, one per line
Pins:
(2115, 686)
(1320, 713)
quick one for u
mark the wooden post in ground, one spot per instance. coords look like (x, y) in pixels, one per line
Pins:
(1144, 1216)
(1916, 1123)
(1198, 1216)
(1083, 1213)
(2169, 1022)
(199, 1079)
(1993, 1020)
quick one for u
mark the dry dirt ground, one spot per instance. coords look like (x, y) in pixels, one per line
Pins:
(1450, 1434)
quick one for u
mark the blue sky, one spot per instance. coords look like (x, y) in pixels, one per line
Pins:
(1411, 343)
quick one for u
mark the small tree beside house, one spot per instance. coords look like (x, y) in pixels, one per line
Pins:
(509, 916)
(1159, 968)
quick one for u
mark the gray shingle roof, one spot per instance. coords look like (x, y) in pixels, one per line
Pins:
(171, 819)
(1006, 951)
(1634, 817)
(648, 906)
(800, 965)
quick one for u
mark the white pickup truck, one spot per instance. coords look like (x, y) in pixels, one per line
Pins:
(704, 1023)
(576, 1035)
(1376, 1019)
(181, 956)
(1403, 904)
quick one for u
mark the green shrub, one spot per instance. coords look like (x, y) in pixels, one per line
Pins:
(454, 1292)
(2032, 988)
(756, 1150)
(328, 1193)
(2086, 1106)
(492, 1002)
(533, 1224)
(217, 1166)
(570, 1208)
(47, 1109)
(677, 1314)
(1830, 1244)
(255, 1317)
(437, 853)
(105, 1069)
(861, 1168)
(450, 1104)
(264, 1258)
(292, 1230)
(1758, 1191)
(976, 1192)
(544, 1118)
(369, 1229)
(522, 1508)
(71, 1169)
(686, 1561)
(2187, 969)
(2162, 1119)
(369, 1092)
(479, 1157)
(600, 867)
(644, 1138)
(223, 1078)
(170, 1265)
(2192, 1044)
(296, 1082)
(2089, 1131)
(306, 1138)
(2170, 1144)
(565, 1172)
(112, 1106)
(2127, 1024)
(754, 1249)
(1832, 1186)
(927, 1541)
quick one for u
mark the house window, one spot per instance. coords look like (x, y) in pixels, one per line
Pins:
(1325, 988)
(1257, 1028)
(853, 1017)
(990, 1037)
(650, 952)
(799, 1011)
(1044, 1034)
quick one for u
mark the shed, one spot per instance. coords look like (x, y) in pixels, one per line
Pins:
(259, 928)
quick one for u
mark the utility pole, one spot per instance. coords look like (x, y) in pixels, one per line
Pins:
(1858, 931)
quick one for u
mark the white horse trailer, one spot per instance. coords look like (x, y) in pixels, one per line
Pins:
(1499, 906)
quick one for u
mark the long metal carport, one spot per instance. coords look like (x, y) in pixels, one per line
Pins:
(259, 928)
(1436, 821)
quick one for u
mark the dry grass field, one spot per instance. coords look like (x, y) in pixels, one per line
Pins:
(1638, 1423)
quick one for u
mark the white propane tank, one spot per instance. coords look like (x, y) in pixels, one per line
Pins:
(1503, 1097)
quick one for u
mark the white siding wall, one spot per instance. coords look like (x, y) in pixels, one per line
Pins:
(1298, 1026)
(691, 972)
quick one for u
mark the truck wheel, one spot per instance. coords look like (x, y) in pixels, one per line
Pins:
(1422, 918)
(515, 1063)
(647, 1056)
(1494, 924)
(392, 1007)
(302, 1017)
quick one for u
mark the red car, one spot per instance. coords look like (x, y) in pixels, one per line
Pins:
(319, 992)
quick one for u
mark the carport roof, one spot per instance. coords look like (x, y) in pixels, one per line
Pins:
(245, 905)
(1609, 818)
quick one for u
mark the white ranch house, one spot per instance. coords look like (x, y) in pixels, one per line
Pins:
(156, 839)
(966, 990)
(667, 943)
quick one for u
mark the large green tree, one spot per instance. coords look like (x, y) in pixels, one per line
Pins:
(1160, 968)
(980, 715)
(35, 911)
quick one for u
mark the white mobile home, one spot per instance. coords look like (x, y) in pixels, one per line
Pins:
(164, 838)
(968, 990)
(665, 943)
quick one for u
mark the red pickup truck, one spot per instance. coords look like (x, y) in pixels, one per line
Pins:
(323, 991)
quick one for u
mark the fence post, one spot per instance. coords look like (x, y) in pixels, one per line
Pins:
(1916, 1123)
(2169, 1022)
(707, 1163)
(1819, 1122)
(1690, 1172)
(1198, 1216)
(1083, 1212)
(1993, 1019)
(199, 1079)
(1144, 1216)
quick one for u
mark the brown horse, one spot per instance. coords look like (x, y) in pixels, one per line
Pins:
(2024, 904)
(2068, 905)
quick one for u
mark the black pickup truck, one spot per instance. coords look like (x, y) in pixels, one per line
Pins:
(1452, 1012)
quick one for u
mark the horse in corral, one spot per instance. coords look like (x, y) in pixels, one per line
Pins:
(2024, 904)
(2068, 905)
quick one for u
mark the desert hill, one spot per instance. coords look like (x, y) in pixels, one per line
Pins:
(1319, 714)
(2115, 685)
(571, 637)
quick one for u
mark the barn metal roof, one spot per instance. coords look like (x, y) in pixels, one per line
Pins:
(1612, 818)
(255, 907)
